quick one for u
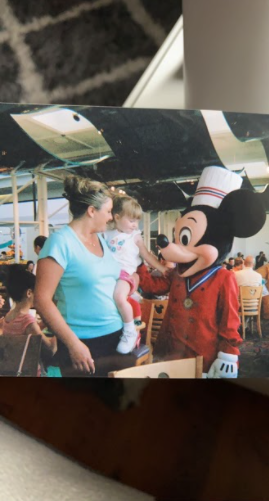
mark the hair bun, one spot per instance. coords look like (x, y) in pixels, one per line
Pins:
(71, 186)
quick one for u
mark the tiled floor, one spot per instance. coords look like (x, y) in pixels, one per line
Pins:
(254, 359)
(79, 52)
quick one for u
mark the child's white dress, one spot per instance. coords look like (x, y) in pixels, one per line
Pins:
(124, 249)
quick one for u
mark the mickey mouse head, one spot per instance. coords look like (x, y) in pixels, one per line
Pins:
(220, 210)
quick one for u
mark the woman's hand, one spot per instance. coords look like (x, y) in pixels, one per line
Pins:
(81, 357)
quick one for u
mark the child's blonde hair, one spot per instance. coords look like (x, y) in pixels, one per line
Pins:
(124, 205)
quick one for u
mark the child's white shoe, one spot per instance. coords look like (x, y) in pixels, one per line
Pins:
(128, 341)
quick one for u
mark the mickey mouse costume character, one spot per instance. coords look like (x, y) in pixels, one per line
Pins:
(202, 313)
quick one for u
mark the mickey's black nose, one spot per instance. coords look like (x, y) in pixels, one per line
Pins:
(162, 241)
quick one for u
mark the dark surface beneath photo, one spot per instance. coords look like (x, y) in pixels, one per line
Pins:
(181, 440)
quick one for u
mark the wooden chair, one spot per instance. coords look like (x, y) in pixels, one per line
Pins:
(250, 299)
(190, 368)
(264, 272)
(142, 353)
(19, 354)
(153, 312)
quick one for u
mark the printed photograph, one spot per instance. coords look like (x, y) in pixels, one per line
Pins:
(134, 243)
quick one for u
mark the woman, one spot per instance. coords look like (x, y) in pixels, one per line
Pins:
(78, 271)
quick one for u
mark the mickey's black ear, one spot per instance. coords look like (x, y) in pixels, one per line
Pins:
(243, 211)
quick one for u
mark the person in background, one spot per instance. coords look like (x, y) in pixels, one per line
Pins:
(19, 321)
(30, 266)
(77, 270)
(247, 276)
(230, 264)
(238, 264)
(38, 245)
(260, 260)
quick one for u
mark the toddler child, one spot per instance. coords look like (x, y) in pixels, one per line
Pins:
(127, 246)
(18, 321)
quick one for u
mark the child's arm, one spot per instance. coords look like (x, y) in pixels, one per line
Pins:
(147, 256)
(49, 342)
(41, 324)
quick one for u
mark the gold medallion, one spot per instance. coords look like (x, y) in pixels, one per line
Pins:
(188, 303)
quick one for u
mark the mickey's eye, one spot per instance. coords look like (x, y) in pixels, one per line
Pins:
(185, 236)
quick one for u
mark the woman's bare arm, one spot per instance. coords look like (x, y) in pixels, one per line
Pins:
(49, 273)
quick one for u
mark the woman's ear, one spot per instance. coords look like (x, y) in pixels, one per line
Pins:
(90, 211)
(244, 212)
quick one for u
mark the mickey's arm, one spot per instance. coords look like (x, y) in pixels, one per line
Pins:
(153, 285)
(226, 365)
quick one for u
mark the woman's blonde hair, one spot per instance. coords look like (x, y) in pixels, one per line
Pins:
(125, 205)
(82, 193)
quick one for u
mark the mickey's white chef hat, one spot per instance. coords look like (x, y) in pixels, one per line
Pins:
(214, 184)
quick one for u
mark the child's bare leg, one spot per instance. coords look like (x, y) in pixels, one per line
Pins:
(135, 277)
(135, 294)
(129, 335)
(121, 293)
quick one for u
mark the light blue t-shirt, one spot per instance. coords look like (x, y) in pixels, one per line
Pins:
(85, 292)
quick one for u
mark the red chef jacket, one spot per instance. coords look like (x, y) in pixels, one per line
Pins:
(208, 326)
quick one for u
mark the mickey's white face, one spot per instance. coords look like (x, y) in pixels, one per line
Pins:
(193, 258)
(190, 228)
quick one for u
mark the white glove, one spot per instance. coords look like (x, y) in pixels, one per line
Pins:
(225, 366)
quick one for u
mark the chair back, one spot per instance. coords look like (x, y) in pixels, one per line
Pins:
(188, 368)
(19, 351)
(250, 300)
(153, 312)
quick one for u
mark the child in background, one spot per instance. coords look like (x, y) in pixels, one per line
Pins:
(30, 266)
(19, 320)
(127, 246)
